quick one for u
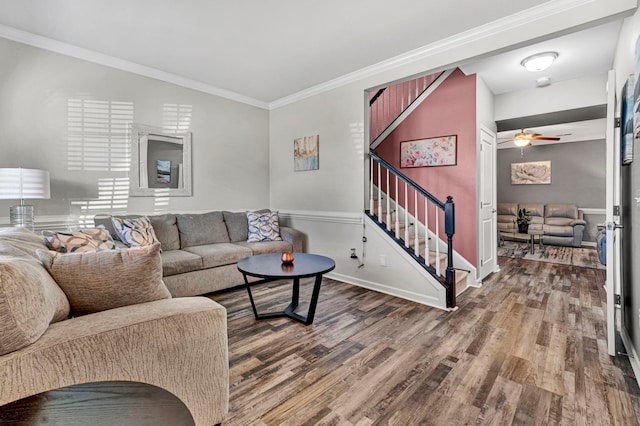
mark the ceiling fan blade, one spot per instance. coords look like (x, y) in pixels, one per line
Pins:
(507, 141)
(543, 138)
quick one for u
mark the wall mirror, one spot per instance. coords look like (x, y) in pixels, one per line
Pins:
(160, 163)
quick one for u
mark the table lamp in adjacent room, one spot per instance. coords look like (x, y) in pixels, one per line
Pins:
(23, 184)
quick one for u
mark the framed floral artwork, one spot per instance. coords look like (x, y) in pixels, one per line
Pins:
(439, 151)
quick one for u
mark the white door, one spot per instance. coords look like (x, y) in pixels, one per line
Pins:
(612, 214)
(487, 232)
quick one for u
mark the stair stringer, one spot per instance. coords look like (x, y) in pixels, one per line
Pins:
(404, 114)
(425, 290)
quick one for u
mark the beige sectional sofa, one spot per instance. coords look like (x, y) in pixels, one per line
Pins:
(178, 344)
(200, 251)
(562, 224)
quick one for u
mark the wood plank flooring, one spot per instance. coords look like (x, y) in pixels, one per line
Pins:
(529, 347)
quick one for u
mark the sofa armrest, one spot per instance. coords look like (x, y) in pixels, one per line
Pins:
(578, 222)
(295, 237)
(176, 344)
(580, 214)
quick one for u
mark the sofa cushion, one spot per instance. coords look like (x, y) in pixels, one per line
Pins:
(179, 261)
(201, 229)
(219, 254)
(88, 239)
(29, 301)
(263, 247)
(560, 210)
(165, 227)
(237, 226)
(135, 232)
(559, 231)
(508, 209)
(263, 227)
(97, 281)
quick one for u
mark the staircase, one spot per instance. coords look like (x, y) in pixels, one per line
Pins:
(409, 215)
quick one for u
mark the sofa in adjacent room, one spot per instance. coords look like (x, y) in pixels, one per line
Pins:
(98, 316)
(200, 251)
(561, 224)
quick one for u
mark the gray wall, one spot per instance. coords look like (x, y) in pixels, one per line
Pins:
(46, 105)
(577, 177)
(577, 174)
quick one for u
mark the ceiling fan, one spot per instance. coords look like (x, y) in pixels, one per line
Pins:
(523, 138)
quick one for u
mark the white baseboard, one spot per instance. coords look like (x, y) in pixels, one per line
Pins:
(381, 288)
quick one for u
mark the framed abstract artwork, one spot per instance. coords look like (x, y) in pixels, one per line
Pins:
(430, 152)
(532, 173)
(306, 153)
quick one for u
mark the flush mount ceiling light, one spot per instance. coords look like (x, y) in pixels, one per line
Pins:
(539, 61)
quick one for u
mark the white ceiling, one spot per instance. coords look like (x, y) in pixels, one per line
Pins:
(580, 54)
(264, 50)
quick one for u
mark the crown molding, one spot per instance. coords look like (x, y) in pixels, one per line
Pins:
(498, 26)
(525, 17)
(121, 64)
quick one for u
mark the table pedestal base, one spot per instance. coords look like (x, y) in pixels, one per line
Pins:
(289, 312)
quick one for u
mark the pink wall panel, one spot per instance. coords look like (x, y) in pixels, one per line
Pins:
(450, 110)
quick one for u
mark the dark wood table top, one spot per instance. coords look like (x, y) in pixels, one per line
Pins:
(270, 266)
(98, 404)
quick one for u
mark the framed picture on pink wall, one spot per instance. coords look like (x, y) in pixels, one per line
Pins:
(430, 152)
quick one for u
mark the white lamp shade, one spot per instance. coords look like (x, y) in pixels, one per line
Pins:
(24, 184)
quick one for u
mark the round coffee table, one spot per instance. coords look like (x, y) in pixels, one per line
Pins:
(269, 267)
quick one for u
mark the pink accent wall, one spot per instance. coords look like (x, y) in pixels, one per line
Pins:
(450, 110)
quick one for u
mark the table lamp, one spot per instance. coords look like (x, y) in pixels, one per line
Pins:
(23, 184)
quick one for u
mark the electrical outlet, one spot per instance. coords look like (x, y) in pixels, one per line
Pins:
(383, 260)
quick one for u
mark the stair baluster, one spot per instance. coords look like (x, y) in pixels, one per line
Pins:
(379, 196)
(416, 246)
(406, 214)
(397, 224)
(426, 232)
(371, 186)
(437, 245)
(388, 219)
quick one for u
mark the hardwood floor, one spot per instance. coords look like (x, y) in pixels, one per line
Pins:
(529, 347)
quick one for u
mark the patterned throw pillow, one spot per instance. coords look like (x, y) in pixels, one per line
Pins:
(135, 232)
(263, 227)
(83, 240)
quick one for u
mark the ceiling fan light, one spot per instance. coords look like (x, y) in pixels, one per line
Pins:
(521, 141)
(539, 61)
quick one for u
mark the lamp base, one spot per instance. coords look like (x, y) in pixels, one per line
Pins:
(22, 216)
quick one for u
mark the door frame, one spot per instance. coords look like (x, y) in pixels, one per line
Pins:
(481, 174)
(612, 176)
